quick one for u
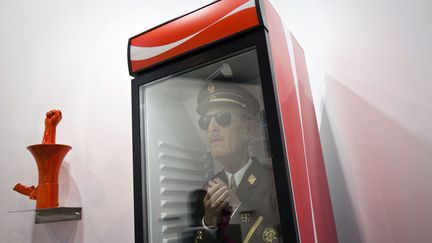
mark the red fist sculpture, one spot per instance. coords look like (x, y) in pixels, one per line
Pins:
(49, 157)
(51, 121)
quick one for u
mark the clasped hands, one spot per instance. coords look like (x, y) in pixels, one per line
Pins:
(218, 197)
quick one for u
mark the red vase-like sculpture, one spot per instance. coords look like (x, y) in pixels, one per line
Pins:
(49, 157)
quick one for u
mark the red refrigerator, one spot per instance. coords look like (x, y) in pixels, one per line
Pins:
(226, 146)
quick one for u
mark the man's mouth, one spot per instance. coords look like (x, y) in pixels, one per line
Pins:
(216, 139)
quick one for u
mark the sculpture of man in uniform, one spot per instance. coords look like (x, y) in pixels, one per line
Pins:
(240, 201)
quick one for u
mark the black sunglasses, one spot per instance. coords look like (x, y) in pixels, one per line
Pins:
(223, 118)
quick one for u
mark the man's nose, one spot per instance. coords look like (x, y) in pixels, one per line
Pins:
(213, 125)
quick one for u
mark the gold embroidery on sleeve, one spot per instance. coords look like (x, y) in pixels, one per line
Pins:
(253, 228)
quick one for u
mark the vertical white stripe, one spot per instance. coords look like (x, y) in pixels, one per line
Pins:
(293, 66)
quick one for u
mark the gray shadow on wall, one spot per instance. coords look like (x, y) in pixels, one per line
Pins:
(69, 194)
(346, 224)
(388, 164)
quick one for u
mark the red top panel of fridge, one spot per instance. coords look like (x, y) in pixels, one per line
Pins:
(206, 25)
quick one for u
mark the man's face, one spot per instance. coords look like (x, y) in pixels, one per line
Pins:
(226, 140)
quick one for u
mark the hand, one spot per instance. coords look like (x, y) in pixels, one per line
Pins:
(53, 117)
(217, 198)
(214, 202)
(233, 200)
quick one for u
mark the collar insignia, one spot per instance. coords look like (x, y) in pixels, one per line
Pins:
(251, 179)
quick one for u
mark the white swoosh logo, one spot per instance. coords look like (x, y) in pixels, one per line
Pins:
(142, 53)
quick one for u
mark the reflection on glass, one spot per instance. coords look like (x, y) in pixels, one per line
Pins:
(206, 155)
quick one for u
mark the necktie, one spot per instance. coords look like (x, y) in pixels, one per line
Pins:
(232, 184)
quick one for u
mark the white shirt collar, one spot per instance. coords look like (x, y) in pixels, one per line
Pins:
(238, 176)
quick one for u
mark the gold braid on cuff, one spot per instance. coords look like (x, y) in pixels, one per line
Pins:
(253, 228)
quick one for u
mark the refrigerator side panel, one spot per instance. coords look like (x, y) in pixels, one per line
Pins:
(291, 123)
(322, 208)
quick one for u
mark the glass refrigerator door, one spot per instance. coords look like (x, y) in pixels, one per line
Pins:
(205, 152)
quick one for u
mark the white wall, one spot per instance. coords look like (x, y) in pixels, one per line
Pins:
(369, 65)
(370, 70)
(71, 55)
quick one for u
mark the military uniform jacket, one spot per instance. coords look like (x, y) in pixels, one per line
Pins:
(257, 218)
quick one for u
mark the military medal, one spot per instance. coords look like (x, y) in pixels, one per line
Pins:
(245, 217)
(269, 235)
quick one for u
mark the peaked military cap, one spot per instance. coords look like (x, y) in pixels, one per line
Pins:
(221, 92)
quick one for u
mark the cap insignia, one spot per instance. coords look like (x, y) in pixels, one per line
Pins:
(211, 88)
